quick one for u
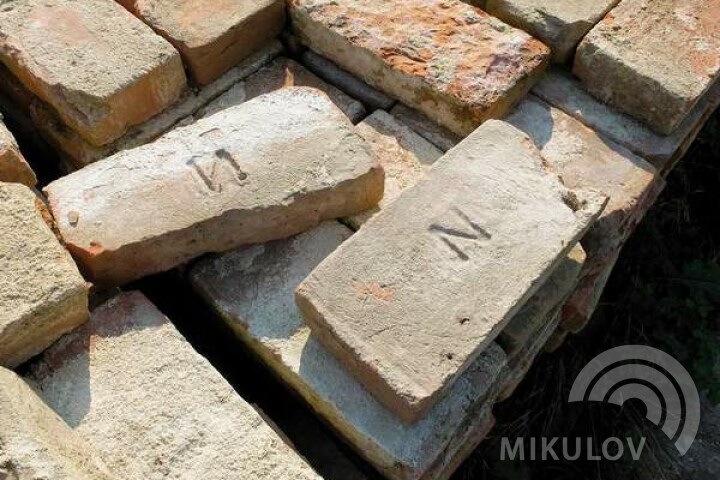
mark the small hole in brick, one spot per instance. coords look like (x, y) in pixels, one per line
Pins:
(464, 321)
(449, 356)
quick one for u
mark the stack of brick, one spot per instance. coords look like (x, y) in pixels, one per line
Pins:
(231, 167)
(252, 290)
(394, 254)
(398, 273)
(98, 68)
(96, 80)
(585, 128)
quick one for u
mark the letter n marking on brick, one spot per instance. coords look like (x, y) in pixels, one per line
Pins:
(210, 174)
(453, 237)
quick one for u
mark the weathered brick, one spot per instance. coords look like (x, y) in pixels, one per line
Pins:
(411, 299)
(563, 91)
(100, 68)
(452, 61)
(439, 136)
(220, 183)
(525, 327)
(519, 367)
(212, 35)
(280, 73)
(404, 155)
(587, 160)
(36, 443)
(13, 167)
(42, 294)
(130, 384)
(558, 23)
(252, 290)
(653, 59)
(324, 68)
(579, 308)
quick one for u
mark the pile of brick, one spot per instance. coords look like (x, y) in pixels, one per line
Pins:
(396, 209)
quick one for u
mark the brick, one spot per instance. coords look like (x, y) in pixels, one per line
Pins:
(404, 155)
(42, 294)
(587, 160)
(518, 368)
(374, 99)
(280, 73)
(563, 91)
(558, 23)
(452, 61)
(653, 59)
(439, 136)
(252, 291)
(220, 183)
(578, 310)
(158, 409)
(78, 153)
(529, 331)
(532, 319)
(13, 166)
(212, 35)
(101, 69)
(411, 299)
(36, 443)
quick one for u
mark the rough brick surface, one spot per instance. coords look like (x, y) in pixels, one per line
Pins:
(587, 160)
(252, 290)
(448, 59)
(653, 59)
(100, 68)
(404, 155)
(36, 443)
(280, 73)
(13, 167)
(42, 294)
(131, 385)
(212, 35)
(410, 300)
(563, 91)
(439, 136)
(223, 182)
(558, 23)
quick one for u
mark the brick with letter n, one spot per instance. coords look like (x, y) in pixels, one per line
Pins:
(424, 287)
